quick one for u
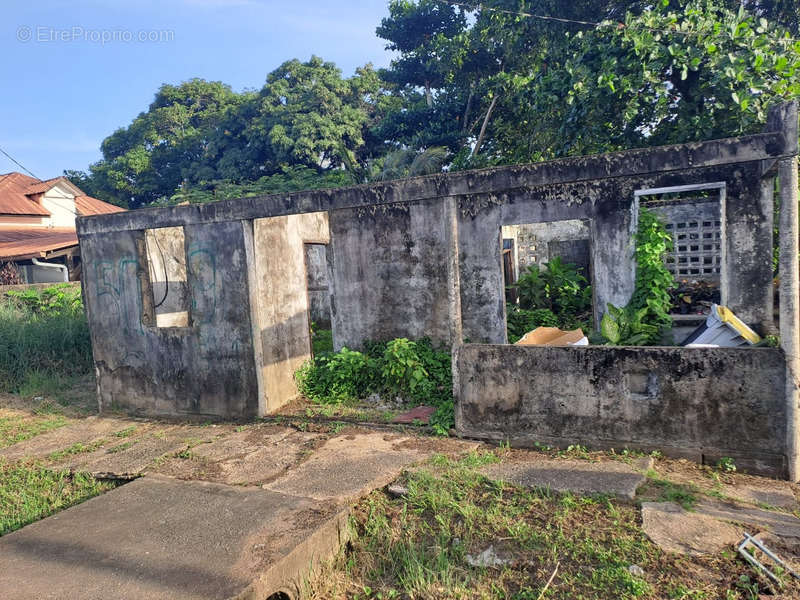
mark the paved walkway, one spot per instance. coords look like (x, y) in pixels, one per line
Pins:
(221, 511)
(214, 512)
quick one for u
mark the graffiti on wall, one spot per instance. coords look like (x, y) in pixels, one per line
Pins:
(202, 266)
(119, 293)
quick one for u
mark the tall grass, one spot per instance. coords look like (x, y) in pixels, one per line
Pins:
(43, 334)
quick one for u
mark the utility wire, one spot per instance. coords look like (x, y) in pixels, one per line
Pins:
(620, 24)
(19, 164)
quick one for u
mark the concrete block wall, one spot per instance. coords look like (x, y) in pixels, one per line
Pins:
(204, 369)
(697, 403)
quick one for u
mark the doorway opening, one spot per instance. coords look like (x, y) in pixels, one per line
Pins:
(319, 297)
(547, 273)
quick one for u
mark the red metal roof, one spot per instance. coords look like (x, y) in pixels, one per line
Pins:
(16, 189)
(86, 205)
(20, 243)
(13, 201)
(42, 186)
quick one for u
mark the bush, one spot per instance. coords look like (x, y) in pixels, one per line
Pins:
(414, 371)
(43, 332)
(558, 288)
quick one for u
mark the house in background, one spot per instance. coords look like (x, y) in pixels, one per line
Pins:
(37, 226)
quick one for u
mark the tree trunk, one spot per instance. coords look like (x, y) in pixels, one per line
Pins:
(428, 96)
(468, 109)
(481, 135)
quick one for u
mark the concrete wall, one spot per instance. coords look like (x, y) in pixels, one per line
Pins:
(392, 273)
(697, 403)
(204, 369)
(280, 303)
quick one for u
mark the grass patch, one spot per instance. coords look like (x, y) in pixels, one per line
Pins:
(44, 336)
(121, 447)
(76, 448)
(29, 492)
(664, 490)
(419, 545)
(18, 429)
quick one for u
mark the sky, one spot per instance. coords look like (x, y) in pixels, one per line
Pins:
(75, 71)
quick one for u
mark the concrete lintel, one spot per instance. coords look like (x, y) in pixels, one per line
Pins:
(642, 161)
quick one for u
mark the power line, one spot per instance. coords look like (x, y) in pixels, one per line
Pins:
(620, 24)
(19, 164)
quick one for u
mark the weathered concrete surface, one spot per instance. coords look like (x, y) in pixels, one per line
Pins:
(350, 466)
(390, 273)
(674, 529)
(782, 524)
(251, 457)
(165, 539)
(773, 144)
(84, 431)
(698, 403)
(578, 476)
(205, 369)
(280, 304)
(131, 457)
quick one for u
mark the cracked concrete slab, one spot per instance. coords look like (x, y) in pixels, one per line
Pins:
(781, 524)
(84, 431)
(350, 466)
(139, 457)
(577, 476)
(163, 539)
(675, 529)
(772, 493)
(250, 457)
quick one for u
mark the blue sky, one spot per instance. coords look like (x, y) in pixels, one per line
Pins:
(63, 89)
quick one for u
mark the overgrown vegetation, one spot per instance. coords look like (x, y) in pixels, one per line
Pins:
(29, 492)
(414, 371)
(557, 295)
(44, 337)
(645, 319)
(417, 546)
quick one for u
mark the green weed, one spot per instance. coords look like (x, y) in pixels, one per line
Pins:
(18, 429)
(29, 492)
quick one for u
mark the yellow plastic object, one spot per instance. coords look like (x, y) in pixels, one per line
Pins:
(726, 315)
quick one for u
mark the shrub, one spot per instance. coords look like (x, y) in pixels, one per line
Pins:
(414, 371)
(558, 288)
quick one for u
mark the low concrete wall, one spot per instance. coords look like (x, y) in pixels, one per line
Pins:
(697, 403)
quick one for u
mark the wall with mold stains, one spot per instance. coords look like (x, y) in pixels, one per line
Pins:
(696, 403)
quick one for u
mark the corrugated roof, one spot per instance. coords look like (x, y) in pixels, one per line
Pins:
(86, 205)
(42, 186)
(15, 189)
(20, 243)
(13, 201)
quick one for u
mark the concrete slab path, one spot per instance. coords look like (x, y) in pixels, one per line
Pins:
(164, 539)
(579, 476)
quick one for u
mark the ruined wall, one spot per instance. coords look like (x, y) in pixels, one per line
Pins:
(280, 304)
(608, 206)
(205, 368)
(391, 273)
(698, 403)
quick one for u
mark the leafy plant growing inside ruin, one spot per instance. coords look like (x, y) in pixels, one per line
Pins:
(414, 371)
(645, 318)
(557, 295)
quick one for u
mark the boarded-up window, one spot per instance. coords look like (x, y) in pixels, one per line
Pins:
(166, 259)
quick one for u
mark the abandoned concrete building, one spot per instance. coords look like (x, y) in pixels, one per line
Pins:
(205, 309)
